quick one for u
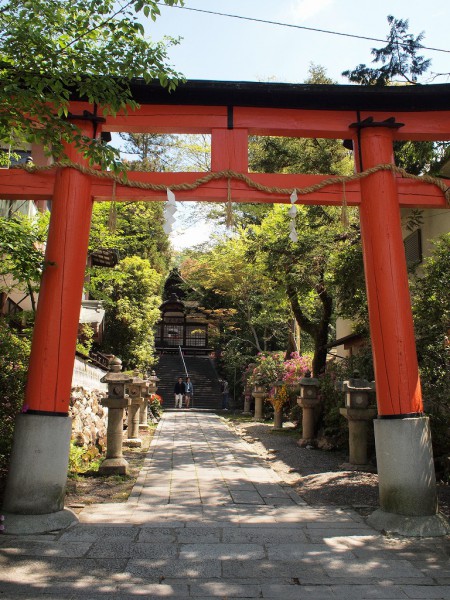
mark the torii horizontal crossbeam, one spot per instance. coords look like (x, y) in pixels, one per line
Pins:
(17, 184)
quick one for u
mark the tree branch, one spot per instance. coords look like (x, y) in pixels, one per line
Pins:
(305, 323)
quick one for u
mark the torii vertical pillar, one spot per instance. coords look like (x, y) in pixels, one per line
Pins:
(34, 497)
(407, 482)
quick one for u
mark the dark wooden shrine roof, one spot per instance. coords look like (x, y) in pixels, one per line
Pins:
(302, 96)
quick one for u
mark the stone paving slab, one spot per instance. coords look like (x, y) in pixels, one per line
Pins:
(208, 519)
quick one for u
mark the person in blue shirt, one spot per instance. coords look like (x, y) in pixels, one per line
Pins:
(189, 391)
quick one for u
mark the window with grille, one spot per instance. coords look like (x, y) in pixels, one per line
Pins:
(413, 248)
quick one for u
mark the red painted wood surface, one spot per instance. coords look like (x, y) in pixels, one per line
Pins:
(433, 125)
(391, 323)
(58, 311)
(168, 119)
(16, 184)
(229, 150)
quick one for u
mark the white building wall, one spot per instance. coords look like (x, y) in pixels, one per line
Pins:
(88, 376)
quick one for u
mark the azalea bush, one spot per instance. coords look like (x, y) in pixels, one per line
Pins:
(155, 405)
(295, 368)
(267, 367)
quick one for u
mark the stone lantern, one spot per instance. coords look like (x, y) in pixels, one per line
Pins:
(278, 413)
(358, 413)
(116, 401)
(309, 401)
(247, 400)
(143, 411)
(136, 390)
(151, 389)
(259, 393)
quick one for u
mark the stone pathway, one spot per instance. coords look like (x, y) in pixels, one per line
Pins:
(208, 519)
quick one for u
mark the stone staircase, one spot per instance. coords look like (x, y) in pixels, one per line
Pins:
(203, 376)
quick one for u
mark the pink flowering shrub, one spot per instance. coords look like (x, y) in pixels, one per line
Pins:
(295, 368)
(267, 367)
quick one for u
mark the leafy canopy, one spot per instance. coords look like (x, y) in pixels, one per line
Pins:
(399, 58)
(51, 50)
(22, 253)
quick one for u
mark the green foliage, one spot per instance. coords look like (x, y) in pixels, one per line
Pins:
(131, 291)
(155, 405)
(267, 368)
(347, 273)
(401, 62)
(131, 295)
(226, 277)
(138, 232)
(332, 423)
(303, 271)
(153, 151)
(399, 58)
(14, 355)
(431, 308)
(22, 255)
(85, 339)
(82, 460)
(51, 49)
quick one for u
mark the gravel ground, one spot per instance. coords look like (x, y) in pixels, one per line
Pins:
(318, 476)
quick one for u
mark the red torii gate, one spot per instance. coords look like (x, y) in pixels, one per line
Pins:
(373, 118)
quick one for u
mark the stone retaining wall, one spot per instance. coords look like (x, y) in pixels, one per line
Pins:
(89, 418)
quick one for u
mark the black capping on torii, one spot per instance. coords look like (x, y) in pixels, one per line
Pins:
(407, 98)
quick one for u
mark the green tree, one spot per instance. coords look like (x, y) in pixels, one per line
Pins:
(129, 306)
(137, 234)
(137, 231)
(152, 151)
(224, 277)
(431, 310)
(14, 355)
(131, 294)
(401, 62)
(22, 254)
(399, 58)
(51, 50)
(303, 270)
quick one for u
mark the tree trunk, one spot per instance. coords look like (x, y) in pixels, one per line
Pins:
(318, 331)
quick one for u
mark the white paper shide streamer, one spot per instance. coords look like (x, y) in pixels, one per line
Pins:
(292, 213)
(169, 212)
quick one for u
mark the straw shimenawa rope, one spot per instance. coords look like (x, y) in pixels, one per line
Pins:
(233, 175)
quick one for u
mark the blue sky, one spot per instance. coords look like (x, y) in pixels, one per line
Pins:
(221, 48)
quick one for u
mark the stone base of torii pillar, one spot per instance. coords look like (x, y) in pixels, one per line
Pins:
(34, 496)
(407, 484)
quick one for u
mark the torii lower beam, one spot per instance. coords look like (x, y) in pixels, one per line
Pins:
(17, 184)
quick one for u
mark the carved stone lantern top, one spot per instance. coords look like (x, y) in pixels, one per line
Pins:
(114, 375)
(116, 385)
(308, 380)
(309, 388)
(154, 377)
(356, 391)
(136, 387)
(137, 380)
(355, 383)
(153, 383)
